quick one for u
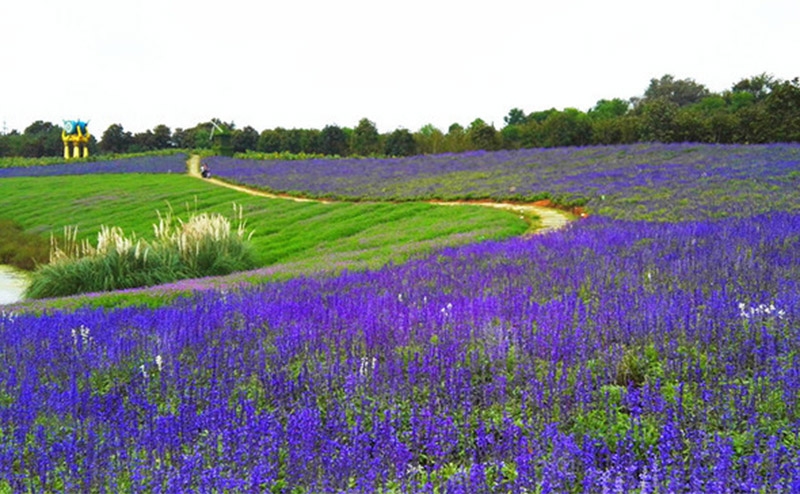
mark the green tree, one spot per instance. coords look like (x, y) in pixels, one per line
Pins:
(531, 134)
(269, 141)
(366, 140)
(570, 127)
(780, 121)
(202, 137)
(511, 137)
(608, 109)
(541, 116)
(430, 140)
(738, 100)
(183, 139)
(333, 141)
(752, 127)
(483, 136)
(14, 143)
(620, 130)
(456, 139)
(41, 139)
(705, 121)
(245, 139)
(308, 140)
(142, 141)
(691, 125)
(162, 137)
(197, 137)
(724, 127)
(758, 86)
(115, 139)
(515, 117)
(658, 120)
(681, 92)
(400, 143)
(294, 140)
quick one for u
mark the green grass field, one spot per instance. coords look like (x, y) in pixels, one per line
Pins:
(314, 236)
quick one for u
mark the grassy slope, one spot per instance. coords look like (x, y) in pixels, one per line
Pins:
(315, 235)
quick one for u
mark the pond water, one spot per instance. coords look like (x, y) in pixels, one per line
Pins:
(12, 284)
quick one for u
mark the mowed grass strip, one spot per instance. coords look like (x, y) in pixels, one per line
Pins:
(317, 235)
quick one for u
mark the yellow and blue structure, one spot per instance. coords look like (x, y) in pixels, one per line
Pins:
(76, 139)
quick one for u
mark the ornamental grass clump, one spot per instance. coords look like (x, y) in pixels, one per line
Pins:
(205, 244)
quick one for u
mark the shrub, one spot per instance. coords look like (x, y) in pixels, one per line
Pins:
(203, 245)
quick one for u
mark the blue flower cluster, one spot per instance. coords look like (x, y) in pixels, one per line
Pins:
(639, 181)
(611, 356)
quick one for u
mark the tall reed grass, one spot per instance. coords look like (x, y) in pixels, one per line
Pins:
(206, 244)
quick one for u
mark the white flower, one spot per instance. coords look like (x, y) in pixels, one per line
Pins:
(760, 310)
(158, 362)
(143, 370)
(81, 333)
(367, 365)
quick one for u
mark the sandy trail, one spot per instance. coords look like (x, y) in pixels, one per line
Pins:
(540, 219)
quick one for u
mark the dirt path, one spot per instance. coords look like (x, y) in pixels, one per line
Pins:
(540, 219)
(194, 170)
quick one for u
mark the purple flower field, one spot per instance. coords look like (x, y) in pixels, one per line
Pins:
(641, 181)
(611, 356)
(173, 163)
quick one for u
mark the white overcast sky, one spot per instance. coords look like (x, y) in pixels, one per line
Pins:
(310, 63)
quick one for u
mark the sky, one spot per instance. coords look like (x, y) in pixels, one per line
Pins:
(401, 64)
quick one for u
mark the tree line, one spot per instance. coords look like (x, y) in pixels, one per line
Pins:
(758, 109)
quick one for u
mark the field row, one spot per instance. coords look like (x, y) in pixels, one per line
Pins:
(608, 355)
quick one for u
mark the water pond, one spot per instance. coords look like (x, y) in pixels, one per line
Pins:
(12, 284)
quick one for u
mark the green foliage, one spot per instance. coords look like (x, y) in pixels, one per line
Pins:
(680, 92)
(430, 140)
(782, 116)
(483, 136)
(203, 245)
(280, 140)
(758, 109)
(639, 366)
(223, 145)
(515, 117)
(658, 119)
(244, 140)
(400, 143)
(366, 140)
(567, 128)
(609, 109)
(21, 249)
(38, 140)
(333, 141)
(622, 130)
(115, 139)
(757, 87)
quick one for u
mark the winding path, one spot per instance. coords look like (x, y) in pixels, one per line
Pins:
(541, 219)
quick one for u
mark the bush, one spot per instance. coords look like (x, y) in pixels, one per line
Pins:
(204, 245)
